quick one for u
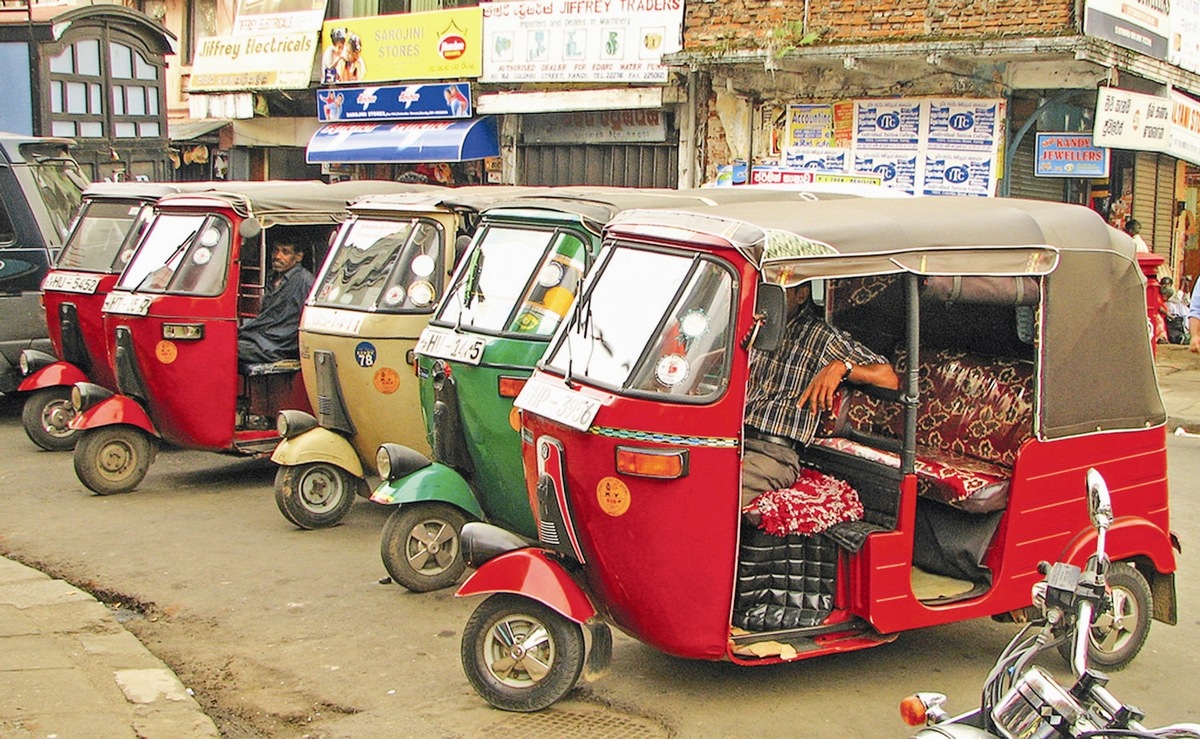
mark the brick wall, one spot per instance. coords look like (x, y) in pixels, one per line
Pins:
(751, 24)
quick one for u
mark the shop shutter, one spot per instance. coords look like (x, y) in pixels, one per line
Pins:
(1154, 199)
(618, 165)
(1022, 181)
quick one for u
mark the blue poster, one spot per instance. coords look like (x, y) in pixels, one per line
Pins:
(395, 102)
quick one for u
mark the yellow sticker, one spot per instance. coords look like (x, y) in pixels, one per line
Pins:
(613, 496)
(166, 351)
(387, 380)
(514, 419)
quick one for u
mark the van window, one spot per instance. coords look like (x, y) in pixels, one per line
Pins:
(8, 234)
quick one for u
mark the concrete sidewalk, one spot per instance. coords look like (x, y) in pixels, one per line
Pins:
(68, 669)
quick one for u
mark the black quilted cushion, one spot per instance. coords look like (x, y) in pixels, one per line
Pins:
(784, 582)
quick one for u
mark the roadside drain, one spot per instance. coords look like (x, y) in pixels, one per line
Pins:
(571, 723)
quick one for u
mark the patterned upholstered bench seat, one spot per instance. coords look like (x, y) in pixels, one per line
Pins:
(975, 412)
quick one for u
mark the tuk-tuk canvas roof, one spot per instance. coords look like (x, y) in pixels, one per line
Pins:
(1096, 368)
(294, 202)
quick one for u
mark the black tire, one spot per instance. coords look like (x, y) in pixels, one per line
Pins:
(113, 459)
(1119, 634)
(316, 495)
(507, 668)
(45, 417)
(421, 548)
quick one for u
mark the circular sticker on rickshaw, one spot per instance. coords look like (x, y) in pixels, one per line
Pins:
(166, 351)
(422, 265)
(420, 293)
(394, 295)
(202, 256)
(210, 238)
(364, 354)
(514, 419)
(613, 496)
(387, 380)
(551, 274)
(671, 370)
(694, 324)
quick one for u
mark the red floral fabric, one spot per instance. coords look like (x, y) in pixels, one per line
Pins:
(811, 505)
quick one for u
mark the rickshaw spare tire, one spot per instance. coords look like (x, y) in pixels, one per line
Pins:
(316, 495)
(113, 459)
(45, 417)
(1118, 635)
(421, 546)
(541, 664)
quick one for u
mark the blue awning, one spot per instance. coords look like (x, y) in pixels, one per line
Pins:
(404, 142)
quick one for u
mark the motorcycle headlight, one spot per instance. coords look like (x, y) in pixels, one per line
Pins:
(32, 360)
(394, 461)
(292, 423)
(85, 395)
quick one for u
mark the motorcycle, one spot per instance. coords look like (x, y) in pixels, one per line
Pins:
(1023, 700)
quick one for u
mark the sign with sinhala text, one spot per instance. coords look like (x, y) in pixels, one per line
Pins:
(580, 40)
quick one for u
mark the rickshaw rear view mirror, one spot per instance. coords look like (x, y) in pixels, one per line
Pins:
(770, 312)
(249, 228)
(817, 288)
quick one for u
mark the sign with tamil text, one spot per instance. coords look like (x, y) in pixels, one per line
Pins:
(1131, 120)
(580, 40)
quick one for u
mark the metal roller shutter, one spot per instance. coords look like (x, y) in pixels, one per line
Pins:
(1022, 181)
(1154, 199)
(619, 165)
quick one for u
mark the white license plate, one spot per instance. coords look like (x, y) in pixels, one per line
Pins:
(71, 282)
(443, 344)
(558, 403)
(130, 304)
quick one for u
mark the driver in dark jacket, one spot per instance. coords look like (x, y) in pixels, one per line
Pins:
(273, 334)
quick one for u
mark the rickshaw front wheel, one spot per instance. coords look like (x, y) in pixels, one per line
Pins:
(421, 548)
(45, 417)
(1117, 635)
(316, 495)
(519, 654)
(113, 459)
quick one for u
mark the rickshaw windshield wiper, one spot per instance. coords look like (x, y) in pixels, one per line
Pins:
(471, 288)
(183, 245)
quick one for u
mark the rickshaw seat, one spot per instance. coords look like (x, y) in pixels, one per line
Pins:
(281, 366)
(975, 414)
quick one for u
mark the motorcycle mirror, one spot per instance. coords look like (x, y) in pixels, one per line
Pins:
(770, 306)
(249, 228)
(1099, 500)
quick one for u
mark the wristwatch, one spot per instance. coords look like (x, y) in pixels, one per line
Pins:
(849, 367)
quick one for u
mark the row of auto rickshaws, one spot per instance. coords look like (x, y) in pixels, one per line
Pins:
(548, 384)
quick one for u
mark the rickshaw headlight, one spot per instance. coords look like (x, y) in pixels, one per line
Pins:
(183, 331)
(394, 461)
(383, 462)
(292, 423)
(85, 395)
(32, 360)
(421, 293)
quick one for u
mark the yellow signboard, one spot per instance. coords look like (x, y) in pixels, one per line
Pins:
(441, 44)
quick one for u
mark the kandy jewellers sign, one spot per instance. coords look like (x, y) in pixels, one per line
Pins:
(1069, 155)
(394, 102)
(1131, 120)
(580, 40)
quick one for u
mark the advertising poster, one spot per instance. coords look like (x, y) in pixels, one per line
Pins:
(818, 157)
(965, 125)
(958, 173)
(439, 44)
(887, 124)
(809, 124)
(1184, 49)
(787, 176)
(896, 169)
(394, 102)
(580, 40)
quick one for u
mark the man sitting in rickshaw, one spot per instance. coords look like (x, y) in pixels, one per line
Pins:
(273, 334)
(789, 388)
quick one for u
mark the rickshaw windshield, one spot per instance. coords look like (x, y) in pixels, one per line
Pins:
(98, 242)
(385, 265)
(515, 281)
(652, 322)
(185, 254)
(61, 184)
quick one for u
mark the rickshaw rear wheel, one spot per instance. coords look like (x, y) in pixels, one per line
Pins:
(113, 459)
(45, 417)
(316, 495)
(421, 548)
(519, 654)
(1117, 635)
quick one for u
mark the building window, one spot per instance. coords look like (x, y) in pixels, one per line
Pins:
(116, 94)
(199, 21)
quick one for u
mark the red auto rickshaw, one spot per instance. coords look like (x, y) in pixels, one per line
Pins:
(110, 222)
(171, 325)
(1018, 331)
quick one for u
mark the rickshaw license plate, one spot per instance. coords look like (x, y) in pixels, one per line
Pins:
(128, 303)
(71, 282)
(558, 403)
(449, 345)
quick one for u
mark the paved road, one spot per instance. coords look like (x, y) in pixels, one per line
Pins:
(287, 633)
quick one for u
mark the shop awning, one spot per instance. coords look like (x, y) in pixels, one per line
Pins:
(407, 142)
(189, 129)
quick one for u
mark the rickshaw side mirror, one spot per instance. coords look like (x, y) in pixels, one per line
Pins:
(249, 228)
(770, 310)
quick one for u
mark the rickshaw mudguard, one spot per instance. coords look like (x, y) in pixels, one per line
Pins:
(532, 573)
(318, 445)
(435, 482)
(113, 411)
(1131, 538)
(53, 375)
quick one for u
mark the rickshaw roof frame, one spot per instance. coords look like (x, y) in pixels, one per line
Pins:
(1093, 305)
(287, 202)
